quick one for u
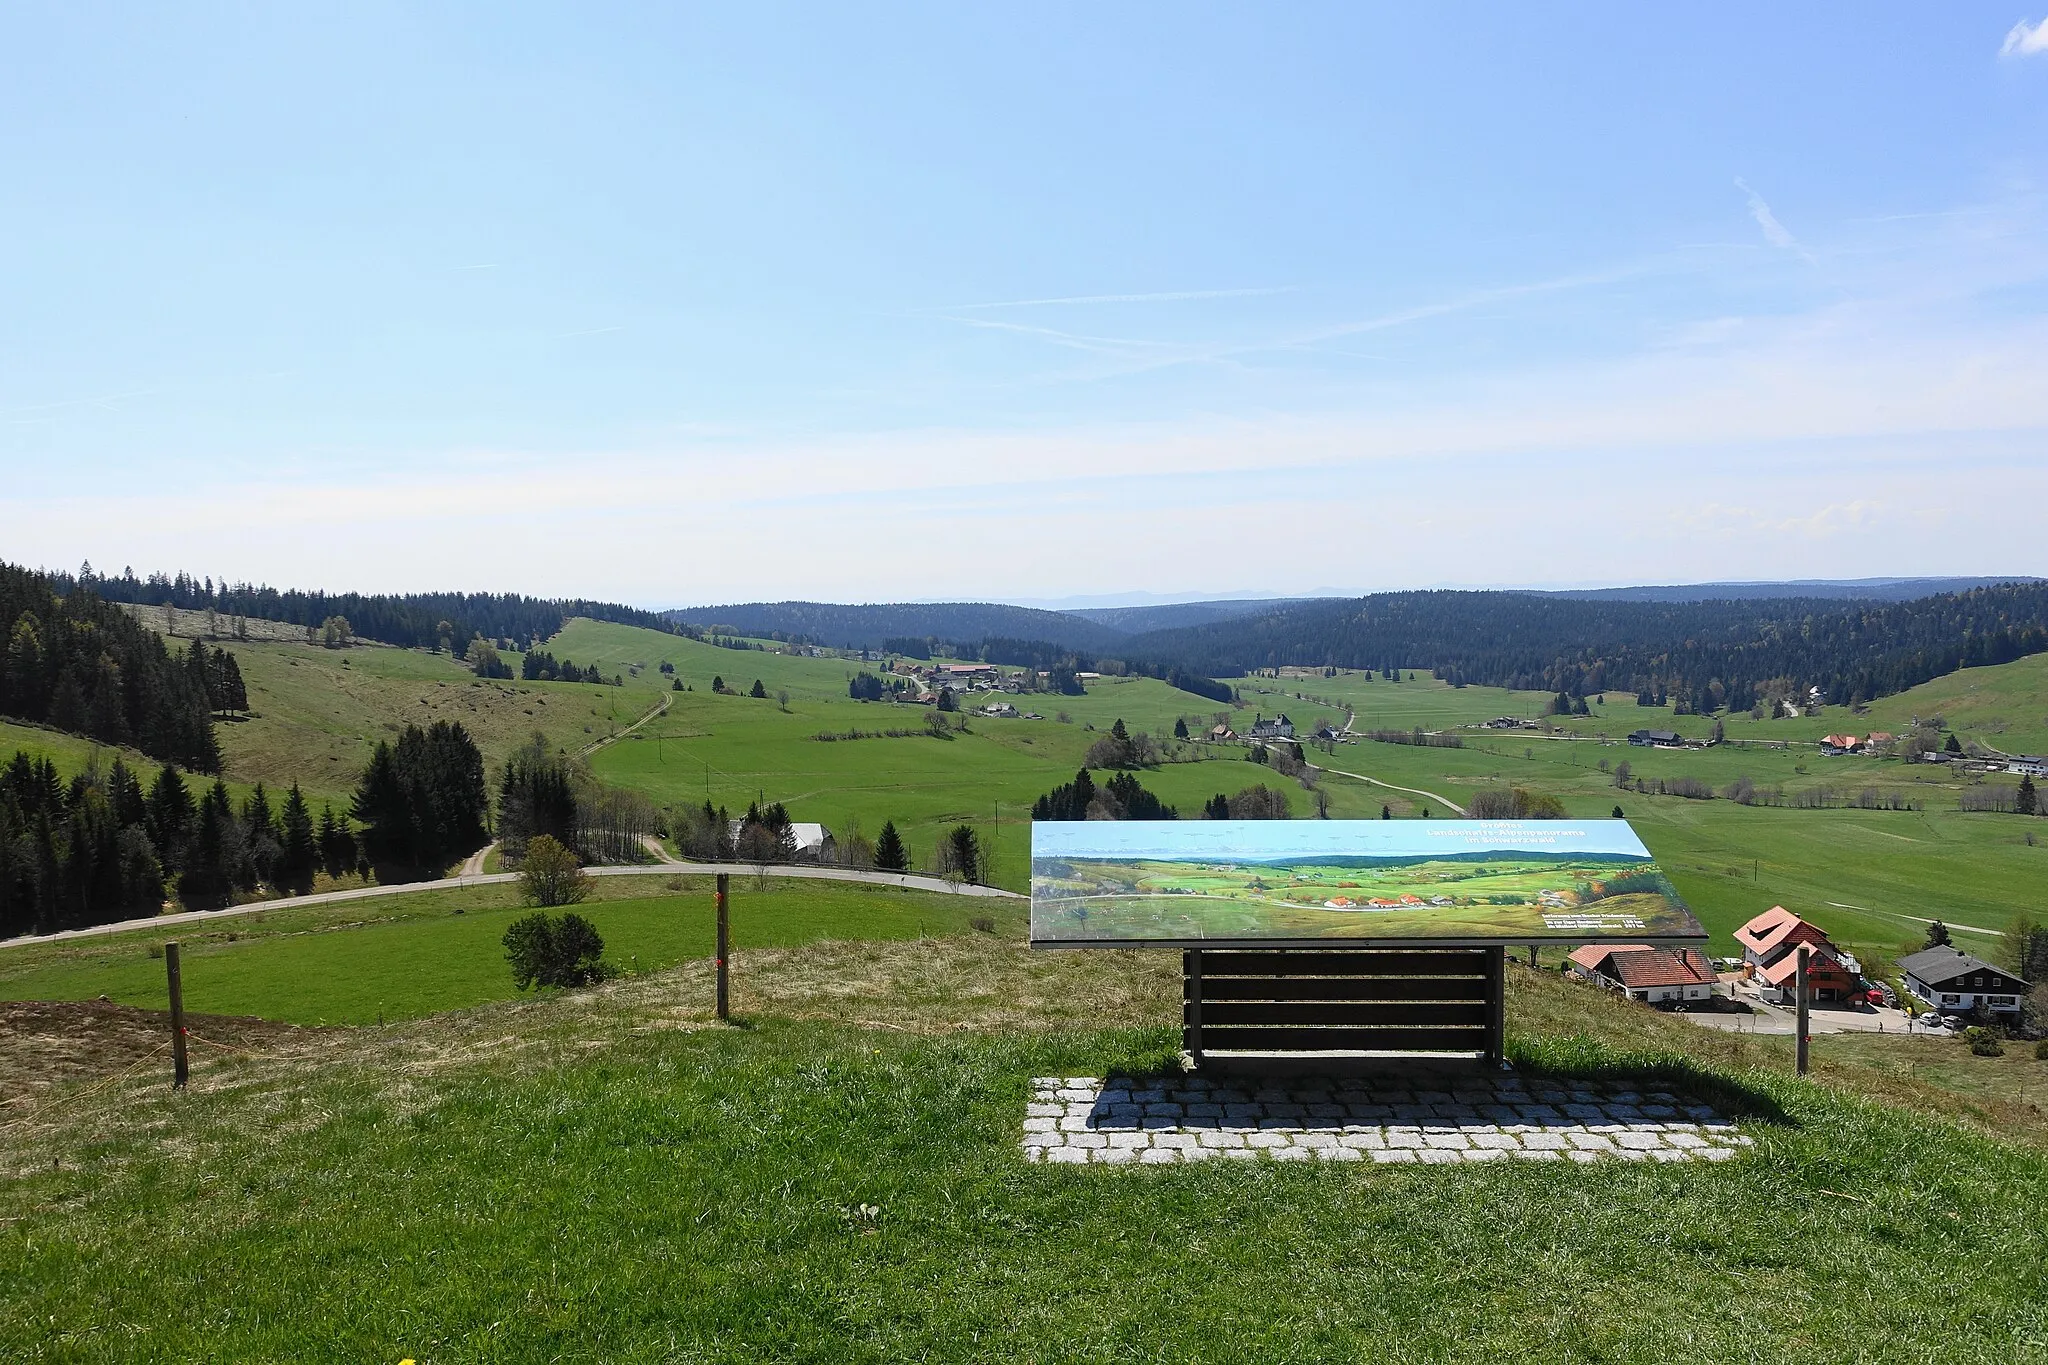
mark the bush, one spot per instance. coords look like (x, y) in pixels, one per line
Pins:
(1983, 1042)
(551, 875)
(2041, 1051)
(555, 950)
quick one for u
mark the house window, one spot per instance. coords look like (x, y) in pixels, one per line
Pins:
(2000, 1002)
(1951, 999)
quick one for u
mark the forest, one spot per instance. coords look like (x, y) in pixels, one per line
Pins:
(426, 620)
(1707, 656)
(74, 662)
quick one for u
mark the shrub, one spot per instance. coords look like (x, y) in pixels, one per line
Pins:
(551, 875)
(555, 950)
(986, 924)
(2041, 1051)
(1983, 1042)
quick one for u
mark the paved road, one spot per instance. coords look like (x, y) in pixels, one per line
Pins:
(905, 880)
(1456, 809)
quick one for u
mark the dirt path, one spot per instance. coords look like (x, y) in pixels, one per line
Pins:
(660, 709)
(905, 880)
(653, 844)
(473, 866)
(1412, 791)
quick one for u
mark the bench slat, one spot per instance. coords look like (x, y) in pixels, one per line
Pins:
(1339, 988)
(1218, 1014)
(1255, 1039)
(1447, 962)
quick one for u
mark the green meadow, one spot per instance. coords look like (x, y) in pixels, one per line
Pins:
(605, 1176)
(410, 956)
(1869, 876)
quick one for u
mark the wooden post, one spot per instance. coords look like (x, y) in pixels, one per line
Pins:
(724, 1009)
(180, 1069)
(1496, 1004)
(1803, 994)
(1191, 963)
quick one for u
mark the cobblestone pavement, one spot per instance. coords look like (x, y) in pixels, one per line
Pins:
(1158, 1120)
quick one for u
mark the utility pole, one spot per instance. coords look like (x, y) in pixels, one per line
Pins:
(1804, 995)
(179, 1067)
(724, 1011)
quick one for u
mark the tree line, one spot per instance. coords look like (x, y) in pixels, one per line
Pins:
(75, 662)
(1707, 656)
(426, 620)
(102, 847)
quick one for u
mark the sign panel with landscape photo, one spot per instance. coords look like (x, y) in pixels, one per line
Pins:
(1340, 883)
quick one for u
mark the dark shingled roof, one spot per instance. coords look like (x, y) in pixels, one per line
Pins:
(1938, 965)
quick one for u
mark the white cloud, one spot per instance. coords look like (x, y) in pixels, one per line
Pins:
(1775, 232)
(2026, 40)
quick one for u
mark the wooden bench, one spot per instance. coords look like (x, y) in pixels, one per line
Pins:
(1332, 1005)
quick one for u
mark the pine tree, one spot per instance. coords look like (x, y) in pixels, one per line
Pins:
(1180, 727)
(298, 854)
(1216, 807)
(1954, 745)
(1937, 935)
(260, 841)
(757, 690)
(170, 816)
(889, 852)
(2024, 800)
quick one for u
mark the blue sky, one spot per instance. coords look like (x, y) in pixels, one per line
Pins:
(687, 305)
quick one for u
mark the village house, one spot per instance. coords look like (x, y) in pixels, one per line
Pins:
(1655, 976)
(1220, 733)
(1840, 744)
(1953, 982)
(1770, 952)
(1278, 728)
(1001, 710)
(2029, 765)
(814, 843)
(1662, 739)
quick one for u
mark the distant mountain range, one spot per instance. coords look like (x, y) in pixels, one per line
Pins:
(1110, 629)
(1704, 647)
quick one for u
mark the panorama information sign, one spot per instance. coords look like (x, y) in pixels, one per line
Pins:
(1344, 883)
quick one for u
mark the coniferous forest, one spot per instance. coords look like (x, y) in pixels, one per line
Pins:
(423, 620)
(76, 662)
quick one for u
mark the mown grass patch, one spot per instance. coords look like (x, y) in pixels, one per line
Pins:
(410, 956)
(560, 1181)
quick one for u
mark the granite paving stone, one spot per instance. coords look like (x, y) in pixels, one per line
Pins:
(1156, 1121)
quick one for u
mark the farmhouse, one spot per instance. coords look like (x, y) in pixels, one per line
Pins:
(1770, 945)
(1840, 744)
(814, 843)
(2032, 765)
(1663, 739)
(1953, 982)
(1278, 728)
(1656, 976)
(1001, 710)
(1219, 733)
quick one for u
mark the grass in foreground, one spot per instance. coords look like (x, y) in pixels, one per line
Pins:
(601, 1177)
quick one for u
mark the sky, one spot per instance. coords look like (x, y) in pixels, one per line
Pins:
(685, 305)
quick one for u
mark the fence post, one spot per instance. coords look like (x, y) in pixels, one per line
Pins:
(1497, 1004)
(179, 1067)
(1191, 969)
(724, 883)
(1804, 996)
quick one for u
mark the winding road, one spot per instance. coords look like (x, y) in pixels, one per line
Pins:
(1412, 791)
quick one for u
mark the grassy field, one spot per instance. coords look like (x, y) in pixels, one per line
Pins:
(1869, 877)
(405, 957)
(601, 1176)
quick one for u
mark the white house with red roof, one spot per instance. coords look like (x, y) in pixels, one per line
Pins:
(1770, 948)
(1656, 976)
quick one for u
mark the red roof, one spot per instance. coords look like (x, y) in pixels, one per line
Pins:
(1777, 927)
(1823, 969)
(1661, 967)
(1594, 955)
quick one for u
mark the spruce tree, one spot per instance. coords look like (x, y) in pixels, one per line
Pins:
(757, 690)
(298, 854)
(1180, 727)
(2024, 800)
(889, 852)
